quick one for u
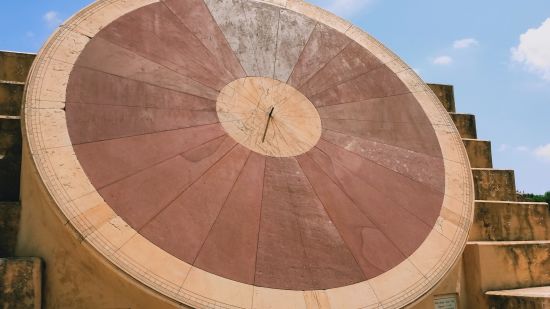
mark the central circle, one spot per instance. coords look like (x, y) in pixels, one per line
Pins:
(268, 117)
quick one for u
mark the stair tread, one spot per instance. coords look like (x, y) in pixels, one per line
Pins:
(510, 243)
(511, 202)
(536, 292)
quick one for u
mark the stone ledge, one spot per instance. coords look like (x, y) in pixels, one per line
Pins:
(512, 221)
(529, 298)
(445, 93)
(479, 153)
(15, 66)
(21, 283)
(466, 125)
(494, 185)
(11, 96)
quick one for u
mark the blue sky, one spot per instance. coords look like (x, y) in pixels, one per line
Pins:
(496, 53)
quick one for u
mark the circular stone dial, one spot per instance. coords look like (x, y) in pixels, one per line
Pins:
(239, 151)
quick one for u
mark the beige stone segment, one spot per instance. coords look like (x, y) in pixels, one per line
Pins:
(319, 15)
(316, 300)
(359, 295)
(53, 83)
(371, 44)
(69, 180)
(90, 212)
(457, 182)
(265, 298)
(281, 3)
(214, 289)
(433, 109)
(405, 278)
(156, 261)
(412, 81)
(70, 47)
(111, 236)
(55, 133)
(428, 257)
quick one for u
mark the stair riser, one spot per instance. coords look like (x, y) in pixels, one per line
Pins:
(466, 125)
(510, 222)
(494, 185)
(9, 225)
(496, 302)
(14, 66)
(10, 99)
(479, 153)
(445, 93)
(10, 159)
(504, 267)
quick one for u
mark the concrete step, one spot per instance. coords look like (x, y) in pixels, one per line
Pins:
(466, 125)
(11, 96)
(494, 265)
(21, 283)
(445, 93)
(15, 67)
(530, 298)
(10, 158)
(510, 221)
(494, 185)
(479, 153)
(9, 225)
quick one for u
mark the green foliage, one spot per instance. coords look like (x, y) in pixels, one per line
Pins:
(528, 197)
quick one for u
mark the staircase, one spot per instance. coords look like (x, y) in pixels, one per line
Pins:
(20, 278)
(507, 258)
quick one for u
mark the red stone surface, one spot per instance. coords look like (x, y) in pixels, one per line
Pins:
(141, 114)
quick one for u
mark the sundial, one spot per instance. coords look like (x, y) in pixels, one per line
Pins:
(248, 154)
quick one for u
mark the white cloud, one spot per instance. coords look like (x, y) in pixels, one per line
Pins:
(52, 19)
(543, 152)
(503, 147)
(465, 43)
(345, 8)
(533, 50)
(443, 60)
(522, 148)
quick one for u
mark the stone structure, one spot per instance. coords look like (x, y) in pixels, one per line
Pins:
(254, 154)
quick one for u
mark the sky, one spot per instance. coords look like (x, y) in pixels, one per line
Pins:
(495, 52)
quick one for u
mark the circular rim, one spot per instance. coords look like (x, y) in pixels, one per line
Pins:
(52, 152)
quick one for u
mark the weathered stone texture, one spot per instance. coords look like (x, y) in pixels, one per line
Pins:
(20, 283)
(466, 125)
(445, 93)
(493, 266)
(15, 66)
(501, 221)
(11, 95)
(494, 185)
(9, 223)
(10, 159)
(479, 153)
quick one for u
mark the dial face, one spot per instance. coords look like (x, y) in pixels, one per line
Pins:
(239, 151)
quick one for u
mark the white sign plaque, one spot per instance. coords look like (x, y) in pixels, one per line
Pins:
(445, 302)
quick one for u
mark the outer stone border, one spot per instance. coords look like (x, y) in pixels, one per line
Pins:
(46, 132)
